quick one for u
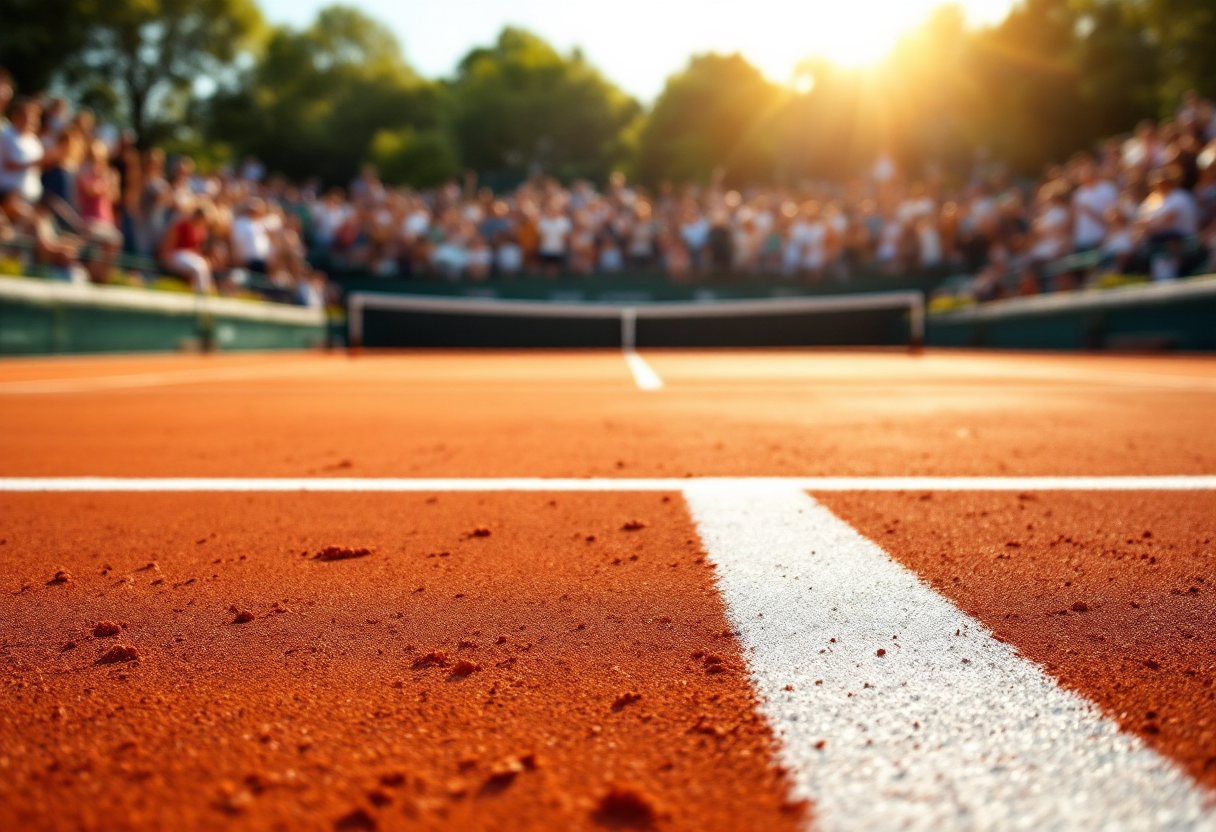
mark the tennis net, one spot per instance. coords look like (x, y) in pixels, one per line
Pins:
(874, 319)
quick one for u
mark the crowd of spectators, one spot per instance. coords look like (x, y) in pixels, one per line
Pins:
(1144, 204)
(81, 201)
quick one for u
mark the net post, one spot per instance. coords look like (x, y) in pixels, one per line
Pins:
(629, 328)
(354, 324)
(916, 324)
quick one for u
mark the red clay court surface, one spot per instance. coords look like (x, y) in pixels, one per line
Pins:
(555, 658)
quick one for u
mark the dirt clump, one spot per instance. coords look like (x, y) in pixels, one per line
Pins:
(357, 820)
(119, 653)
(105, 629)
(625, 700)
(61, 576)
(503, 774)
(436, 658)
(341, 553)
(633, 526)
(622, 807)
(465, 668)
(243, 617)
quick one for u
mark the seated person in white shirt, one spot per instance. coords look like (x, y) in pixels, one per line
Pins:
(251, 245)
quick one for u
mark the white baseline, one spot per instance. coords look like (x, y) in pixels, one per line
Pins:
(487, 484)
(941, 733)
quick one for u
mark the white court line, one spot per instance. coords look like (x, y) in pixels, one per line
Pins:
(159, 379)
(951, 732)
(389, 484)
(643, 374)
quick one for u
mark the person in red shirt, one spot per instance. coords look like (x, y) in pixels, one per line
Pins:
(182, 250)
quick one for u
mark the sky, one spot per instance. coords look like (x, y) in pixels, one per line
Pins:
(638, 43)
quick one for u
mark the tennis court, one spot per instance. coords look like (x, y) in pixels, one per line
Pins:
(669, 589)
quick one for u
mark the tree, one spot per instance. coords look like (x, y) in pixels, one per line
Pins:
(718, 112)
(413, 157)
(1185, 32)
(150, 53)
(315, 99)
(39, 36)
(518, 107)
(1119, 68)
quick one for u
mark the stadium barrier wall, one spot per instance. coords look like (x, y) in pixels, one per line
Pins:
(1178, 315)
(42, 317)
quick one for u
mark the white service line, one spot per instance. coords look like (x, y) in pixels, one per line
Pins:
(943, 732)
(158, 379)
(393, 484)
(643, 374)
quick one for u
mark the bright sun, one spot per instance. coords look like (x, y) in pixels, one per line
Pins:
(860, 34)
(855, 33)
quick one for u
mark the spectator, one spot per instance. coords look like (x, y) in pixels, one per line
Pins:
(97, 189)
(1051, 226)
(1091, 202)
(553, 230)
(182, 250)
(479, 258)
(508, 256)
(1169, 212)
(58, 251)
(611, 260)
(1118, 246)
(21, 152)
(60, 165)
(155, 203)
(250, 238)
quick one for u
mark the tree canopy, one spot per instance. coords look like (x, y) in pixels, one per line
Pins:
(147, 55)
(38, 38)
(1053, 77)
(718, 112)
(518, 106)
(316, 98)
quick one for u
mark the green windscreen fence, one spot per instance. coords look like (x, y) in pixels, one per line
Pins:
(1172, 315)
(41, 317)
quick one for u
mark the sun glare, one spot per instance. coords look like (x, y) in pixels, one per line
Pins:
(857, 34)
(861, 34)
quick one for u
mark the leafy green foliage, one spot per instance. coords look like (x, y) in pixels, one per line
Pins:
(316, 98)
(717, 112)
(150, 53)
(1185, 32)
(37, 37)
(412, 157)
(518, 106)
(1052, 78)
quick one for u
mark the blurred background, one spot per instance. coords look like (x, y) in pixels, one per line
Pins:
(289, 151)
